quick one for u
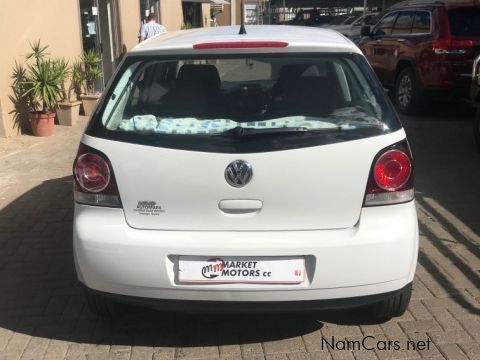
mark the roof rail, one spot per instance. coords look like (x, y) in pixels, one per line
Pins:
(416, 2)
(407, 3)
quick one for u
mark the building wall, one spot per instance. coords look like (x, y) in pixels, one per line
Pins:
(171, 14)
(225, 17)
(237, 13)
(59, 29)
(129, 22)
(206, 15)
(57, 23)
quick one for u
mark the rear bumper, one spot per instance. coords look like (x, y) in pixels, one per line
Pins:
(376, 256)
(226, 307)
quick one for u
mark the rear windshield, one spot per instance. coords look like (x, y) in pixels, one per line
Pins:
(339, 20)
(243, 104)
(465, 21)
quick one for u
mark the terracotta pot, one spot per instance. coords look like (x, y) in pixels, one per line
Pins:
(42, 124)
(67, 113)
(89, 102)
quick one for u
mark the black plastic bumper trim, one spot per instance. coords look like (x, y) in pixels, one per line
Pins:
(200, 306)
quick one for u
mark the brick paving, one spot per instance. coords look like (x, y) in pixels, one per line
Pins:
(43, 314)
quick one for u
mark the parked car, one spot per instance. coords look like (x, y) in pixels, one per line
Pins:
(352, 26)
(310, 17)
(257, 172)
(343, 19)
(475, 94)
(421, 48)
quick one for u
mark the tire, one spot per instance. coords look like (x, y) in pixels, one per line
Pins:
(476, 129)
(393, 306)
(406, 94)
(102, 306)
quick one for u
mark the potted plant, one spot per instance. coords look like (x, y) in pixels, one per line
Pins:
(42, 86)
(69, 107)
(91, 71)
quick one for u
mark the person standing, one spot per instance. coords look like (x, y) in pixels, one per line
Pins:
(150, 28)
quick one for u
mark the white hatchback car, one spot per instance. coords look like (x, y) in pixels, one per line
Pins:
(227, 172)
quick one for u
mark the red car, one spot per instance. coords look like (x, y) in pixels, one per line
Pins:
(475, 95)
(421, 47)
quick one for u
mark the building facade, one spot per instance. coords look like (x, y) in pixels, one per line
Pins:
(70, 27)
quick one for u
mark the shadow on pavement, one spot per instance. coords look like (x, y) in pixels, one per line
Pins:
(40, 295)
(447, 172)
(443, 110)
(447, 165)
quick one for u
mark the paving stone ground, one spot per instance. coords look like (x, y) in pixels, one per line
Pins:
(43, 313)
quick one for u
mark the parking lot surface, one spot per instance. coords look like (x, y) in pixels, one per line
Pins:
(43, 314)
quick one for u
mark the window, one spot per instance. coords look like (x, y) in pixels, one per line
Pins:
(368, 20)
(371, 19)
(349, 20)
(465, 21)
(202, 96)
(339, 20)
(386, 24)
(421, 22)
(148, 7)
(403, 25)
(238, 103)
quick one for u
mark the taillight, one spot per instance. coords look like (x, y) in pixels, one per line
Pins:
(92, 172)
(451, 46)
(94, 181)
(392, 170)
(391, 177)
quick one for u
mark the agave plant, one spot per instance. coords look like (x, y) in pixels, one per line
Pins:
(19, 76)
(78, 77)
(91, 69)
(44, 84)
(64, 69)
(38, 51)
(43, 80)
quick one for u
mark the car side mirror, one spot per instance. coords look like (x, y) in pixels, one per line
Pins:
(366, 31)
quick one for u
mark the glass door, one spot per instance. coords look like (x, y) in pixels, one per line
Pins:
(89, 21)
(148, 7)
(100, 32)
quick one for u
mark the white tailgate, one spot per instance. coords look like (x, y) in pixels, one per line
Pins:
(318, 187)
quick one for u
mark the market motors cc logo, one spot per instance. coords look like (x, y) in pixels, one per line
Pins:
(238, 173)
(213, 269)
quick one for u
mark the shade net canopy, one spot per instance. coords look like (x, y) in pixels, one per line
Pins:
(331, 3)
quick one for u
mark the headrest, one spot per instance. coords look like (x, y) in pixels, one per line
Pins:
(204, 77)
(291, 71)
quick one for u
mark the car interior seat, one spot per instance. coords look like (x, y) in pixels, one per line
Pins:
(193, 92)
(307, 90)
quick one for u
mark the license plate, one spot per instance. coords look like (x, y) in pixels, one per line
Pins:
(236, 269)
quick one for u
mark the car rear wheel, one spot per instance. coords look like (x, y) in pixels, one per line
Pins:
(102, 306)
(406, 91)
(393, 306)
(476, 129)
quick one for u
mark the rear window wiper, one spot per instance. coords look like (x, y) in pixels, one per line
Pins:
(242, 131)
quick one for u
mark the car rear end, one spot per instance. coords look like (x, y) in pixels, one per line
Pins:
(456, 45)
(238, 173)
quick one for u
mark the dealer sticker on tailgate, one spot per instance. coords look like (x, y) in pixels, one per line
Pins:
(236, 269)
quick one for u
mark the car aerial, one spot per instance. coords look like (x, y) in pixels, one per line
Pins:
(424, 48)
(265, 171)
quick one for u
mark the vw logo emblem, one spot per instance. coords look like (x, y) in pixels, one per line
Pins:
(238, 173)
